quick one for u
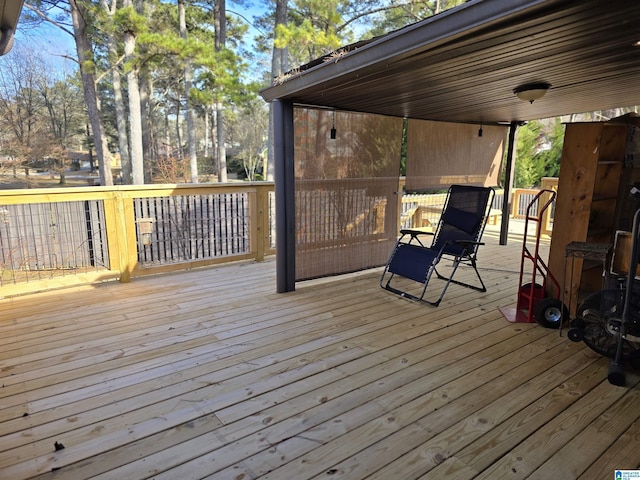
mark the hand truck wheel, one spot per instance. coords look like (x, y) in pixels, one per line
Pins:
(549, 312)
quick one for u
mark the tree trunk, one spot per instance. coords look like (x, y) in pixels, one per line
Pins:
(279, 64)
(214, 140)
(63, 177)
(135, 116)
(179, 131)
(206, 133)
(168, 150)
(222, 151)
(121, 122)
(121, 113)
(148, 146)
(191, 134)
(85, 57)
(220, 39)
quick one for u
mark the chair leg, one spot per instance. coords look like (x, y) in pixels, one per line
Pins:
(472, 263)
(387, 286)
(449, 279)
(390, 272)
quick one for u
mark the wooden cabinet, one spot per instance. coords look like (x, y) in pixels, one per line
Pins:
(586, 205)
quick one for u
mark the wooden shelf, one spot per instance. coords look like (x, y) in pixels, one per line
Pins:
(587, 204)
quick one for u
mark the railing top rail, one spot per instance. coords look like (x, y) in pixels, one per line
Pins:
(85, 193)
(521, 191)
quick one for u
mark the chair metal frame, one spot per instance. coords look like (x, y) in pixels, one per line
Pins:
(457, 237)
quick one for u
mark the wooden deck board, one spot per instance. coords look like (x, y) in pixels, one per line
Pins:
(210, 374)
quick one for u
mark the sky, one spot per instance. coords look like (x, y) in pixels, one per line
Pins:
(52, 39)
(60, 46)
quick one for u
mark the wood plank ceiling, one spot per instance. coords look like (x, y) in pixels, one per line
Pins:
(462, 65)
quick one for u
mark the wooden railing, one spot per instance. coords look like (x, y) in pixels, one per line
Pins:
(523, 196)
(423, 210)
(52, 238)
(59, 237)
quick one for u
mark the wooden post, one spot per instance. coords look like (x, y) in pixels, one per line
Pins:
(261, 221)
(121, 234)
(401, 183)
(547, 183)
(256, 245)
(111, 226)
(515, 203)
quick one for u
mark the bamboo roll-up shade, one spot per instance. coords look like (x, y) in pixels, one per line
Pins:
(440, 154)
(346, 190)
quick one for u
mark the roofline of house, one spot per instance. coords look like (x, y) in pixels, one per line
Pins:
(422, 35)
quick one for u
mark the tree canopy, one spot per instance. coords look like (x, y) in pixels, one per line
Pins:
(171, 86)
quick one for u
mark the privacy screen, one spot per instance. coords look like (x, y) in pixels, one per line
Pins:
(440, 154)
(346, 200)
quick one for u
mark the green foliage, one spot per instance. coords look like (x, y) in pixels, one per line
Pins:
(528, 142)
(399, 15)
(306, 36)
(551, 156)
(315, 28)
(128, 19)
(538, 152)
(318, 27)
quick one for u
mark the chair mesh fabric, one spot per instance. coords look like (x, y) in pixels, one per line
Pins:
(462, 218)
(412, 261)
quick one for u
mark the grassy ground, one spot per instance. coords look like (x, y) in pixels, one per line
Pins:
(43, 180)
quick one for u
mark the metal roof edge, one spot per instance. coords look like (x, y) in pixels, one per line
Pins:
(430, 31)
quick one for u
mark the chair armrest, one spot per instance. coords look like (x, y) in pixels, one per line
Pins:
(415, 231)
(414, 235)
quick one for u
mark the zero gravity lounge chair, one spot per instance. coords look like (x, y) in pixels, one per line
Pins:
(456, 238)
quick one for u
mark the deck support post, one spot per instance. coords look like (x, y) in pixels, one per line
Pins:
(284, 175)
(508, 183)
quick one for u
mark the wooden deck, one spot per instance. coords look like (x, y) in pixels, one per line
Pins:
(210, 374)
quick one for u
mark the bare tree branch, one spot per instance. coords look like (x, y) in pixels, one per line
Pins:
(48, 19)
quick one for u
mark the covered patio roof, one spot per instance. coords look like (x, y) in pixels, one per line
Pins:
(463, 64)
